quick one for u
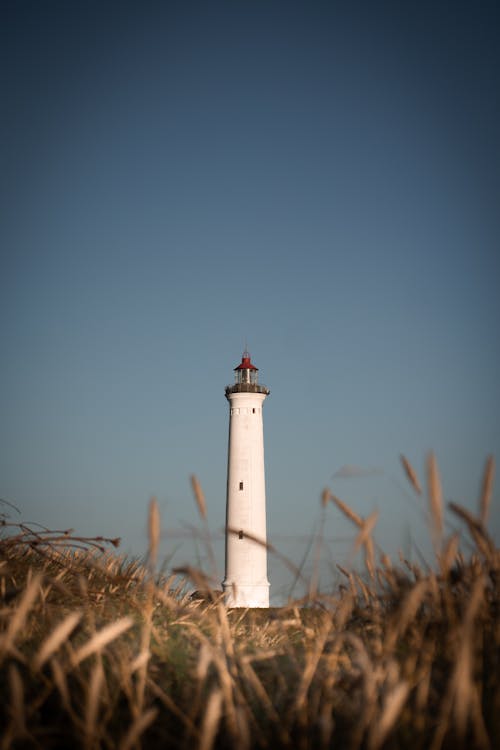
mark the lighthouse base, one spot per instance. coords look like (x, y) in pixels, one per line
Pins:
(246, 594)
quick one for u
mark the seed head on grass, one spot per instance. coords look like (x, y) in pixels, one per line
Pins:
(435, 499)
(411, 474)
(153, 531)
(199, 497)
(449, 553)
(487, 488)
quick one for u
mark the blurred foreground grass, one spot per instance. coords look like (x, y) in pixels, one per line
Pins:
(100, 652)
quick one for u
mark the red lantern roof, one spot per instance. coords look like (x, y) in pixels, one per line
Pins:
(246, 363)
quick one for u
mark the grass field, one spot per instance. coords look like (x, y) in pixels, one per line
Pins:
(100, 652)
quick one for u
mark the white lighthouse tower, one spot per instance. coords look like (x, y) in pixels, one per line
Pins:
(245, 583)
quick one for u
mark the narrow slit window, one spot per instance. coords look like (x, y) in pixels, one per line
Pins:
(240, 534)
(241, 485)
(253, 411)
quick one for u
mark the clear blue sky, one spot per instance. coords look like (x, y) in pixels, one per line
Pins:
(320, 180)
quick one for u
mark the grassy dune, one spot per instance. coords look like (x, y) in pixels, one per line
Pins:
(99, 652)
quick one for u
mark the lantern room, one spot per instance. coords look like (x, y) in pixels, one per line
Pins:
(245, 378)
(246, 372)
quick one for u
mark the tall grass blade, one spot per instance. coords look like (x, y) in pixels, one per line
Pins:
(94, 689)
(17, 706)
(101, 639)
(211, 720)
(18, 619)
(56, 638)
(392, 708)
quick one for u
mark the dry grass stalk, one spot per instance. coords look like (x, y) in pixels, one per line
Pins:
(482, 740)
(312, 660)
(363, 588)
(346, 510)
(350, 578)
(391, 710)
(364, 668)
(153, 531)
(411, 474)
(199, 497)
(58, 636)
(370, 557)
(477, 531)
(366, 530)
(458, 700)
(142, 660)
(211, 720)
(101, 639)
(172, 707)
(225, 630)
(138, 727)
(218, 656)
(94, 689)
(449, 554)
(361, 661)
(435, 499)
(364, 538)
(197, 576)
(325, 497)
(17, 701)
(470, 519)
(487, 489)
(226, 681)
(462, 680)
(260, 691)
(60, 682)
(203, 664)
(406, 613)
(245, 718)
(18, 619)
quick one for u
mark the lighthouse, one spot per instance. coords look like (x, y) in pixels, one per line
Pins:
(245, 583)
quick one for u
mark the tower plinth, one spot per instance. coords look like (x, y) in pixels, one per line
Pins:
(245, 583)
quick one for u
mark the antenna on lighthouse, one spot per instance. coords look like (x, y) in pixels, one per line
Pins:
(245, 583)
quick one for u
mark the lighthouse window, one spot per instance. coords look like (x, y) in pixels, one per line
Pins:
(241, 485)
(253, 411)
(240, 534)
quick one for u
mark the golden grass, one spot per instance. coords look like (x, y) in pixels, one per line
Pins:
(100, 652)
